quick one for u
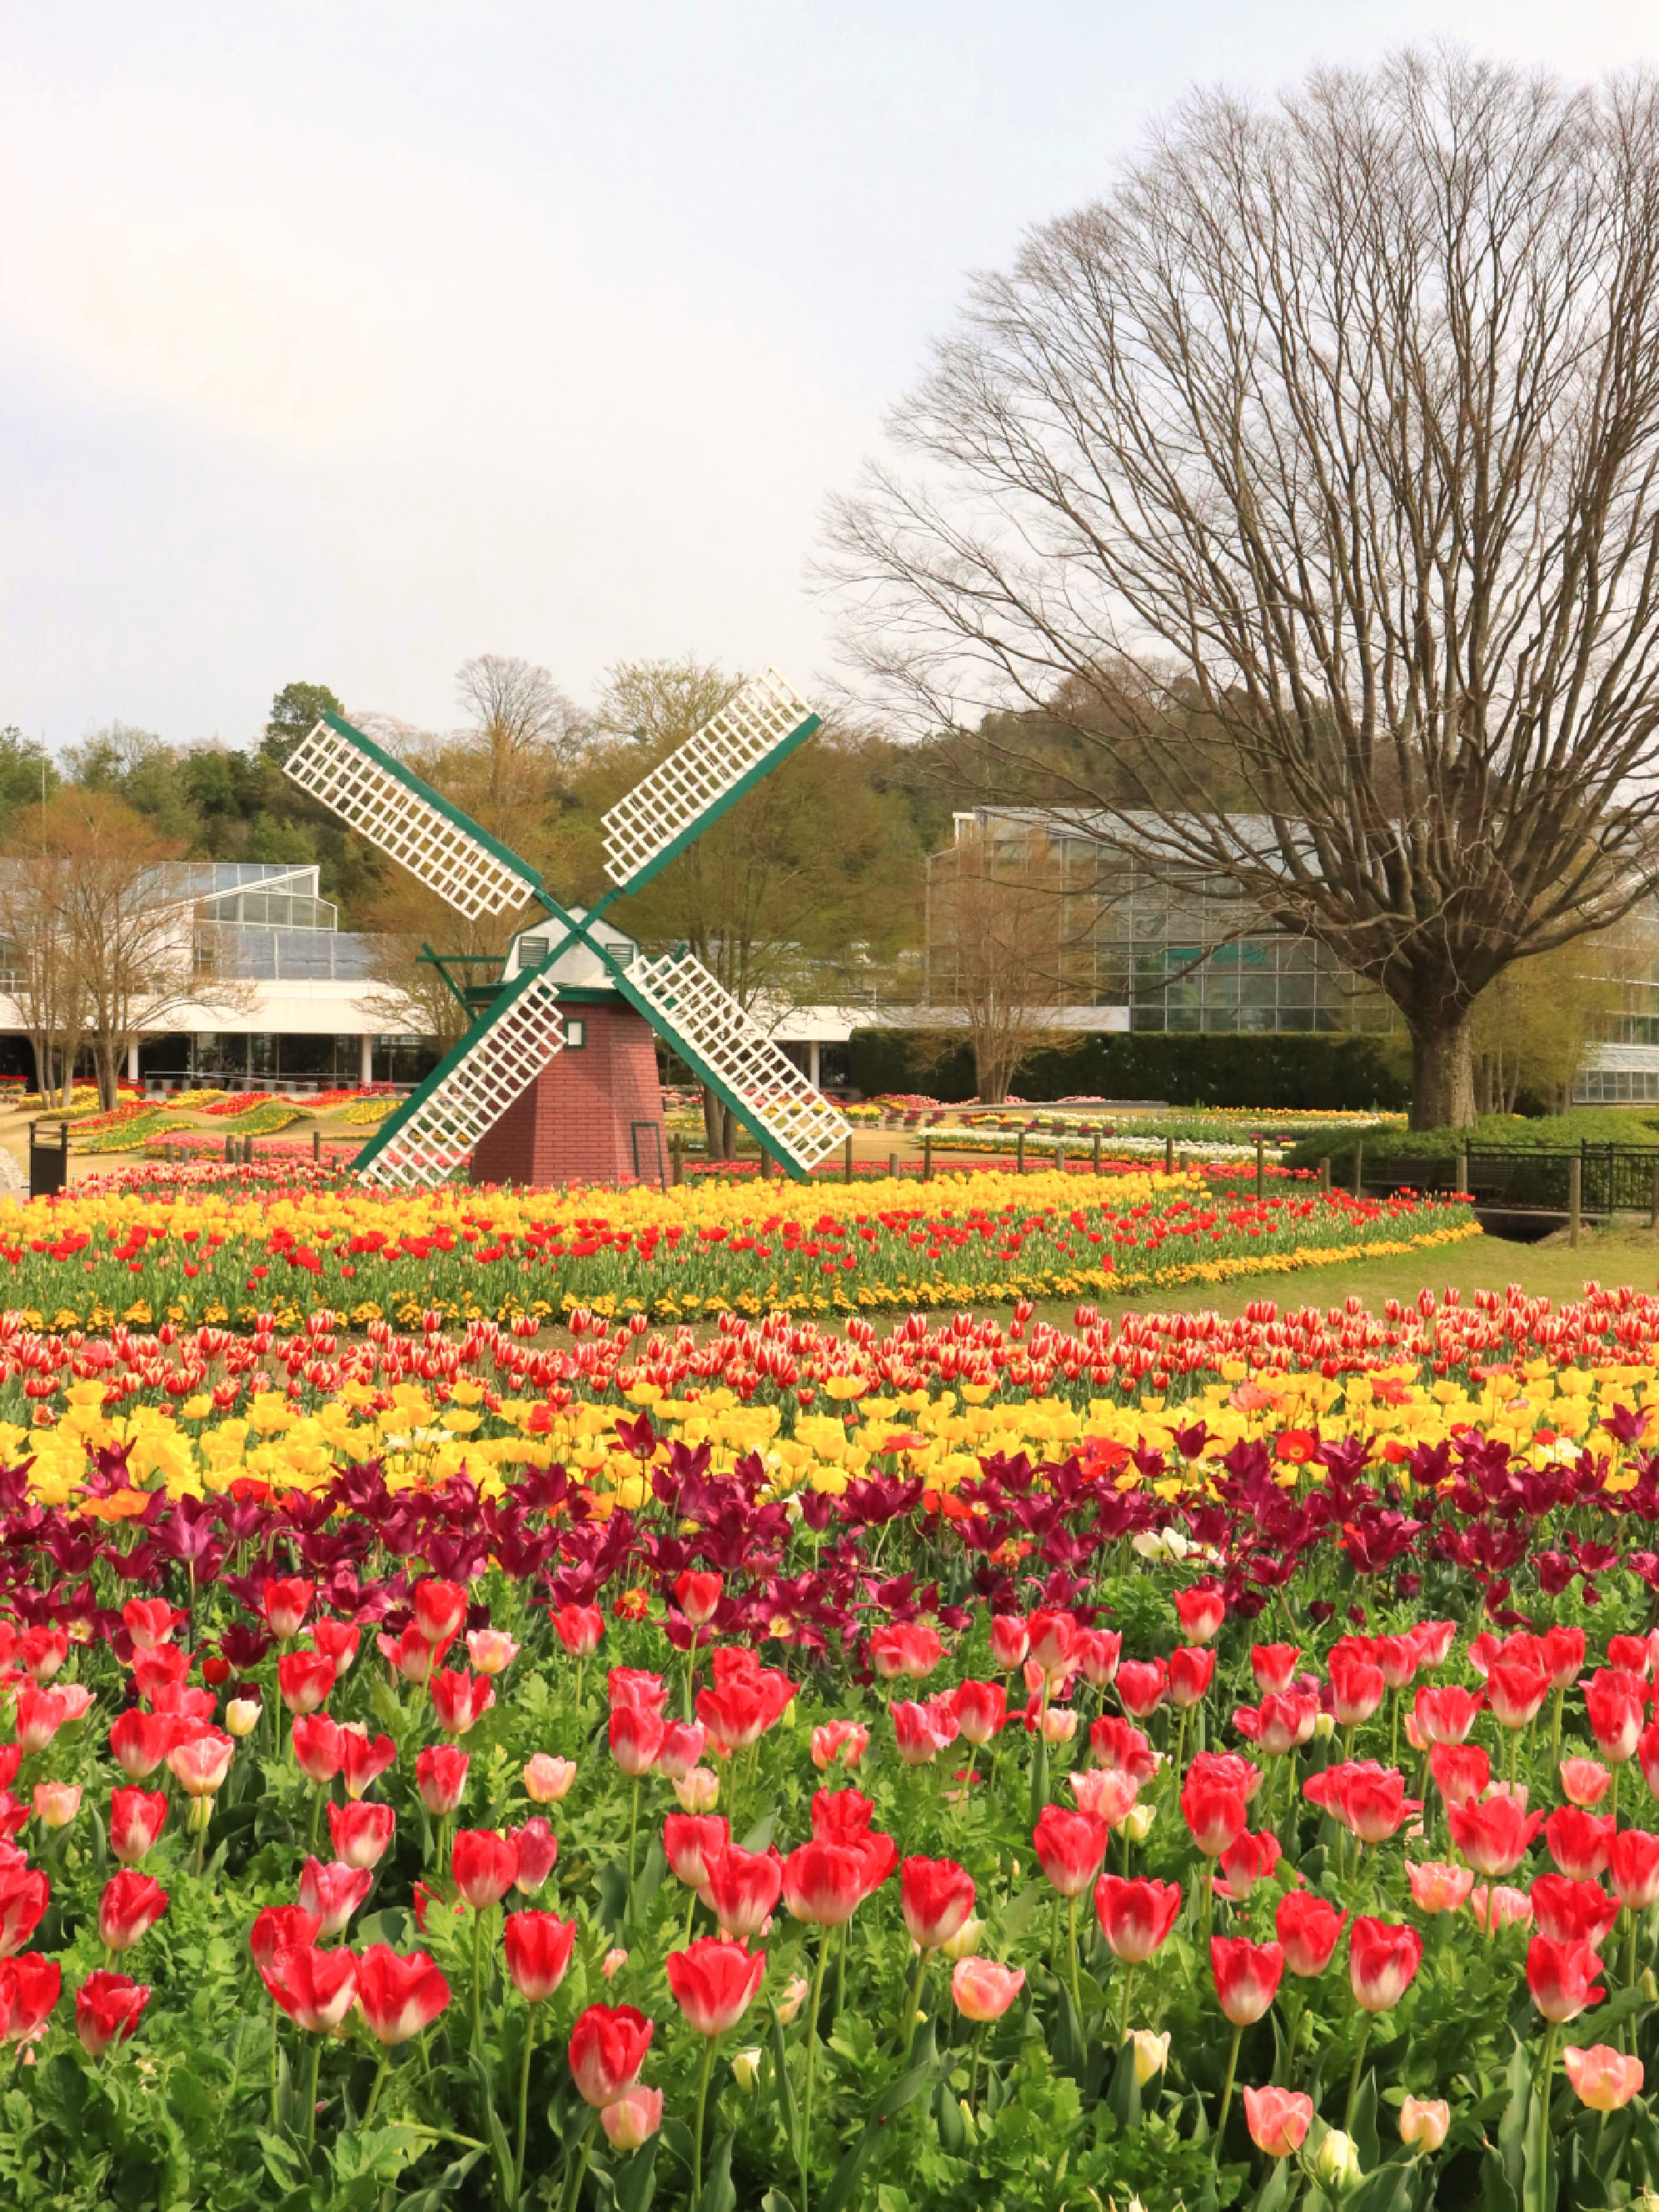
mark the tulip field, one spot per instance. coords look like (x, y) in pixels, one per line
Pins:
(807, 1761)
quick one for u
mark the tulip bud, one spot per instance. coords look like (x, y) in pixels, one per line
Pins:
(200, 1816)
(1137, 1822)
(633, 2119)
(964, 1944)
(241, 1716)
(1649, 1986)
(1424, 2121)
(1336, 2162)
(615, 1960)
(794, 1998)
(56, 1803)
(698, 1790)
(1324, 1729)
(1152, 2053)
(746, 2067)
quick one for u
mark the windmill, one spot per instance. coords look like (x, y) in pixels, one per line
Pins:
(555, 1077)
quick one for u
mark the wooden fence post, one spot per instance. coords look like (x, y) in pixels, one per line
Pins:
(1575, 1198)
(1168, 1156)
(847, 1163)
(1261, 1172)
(1020, 1151)
(1097, 1160)
(927, 1159)
(1325, 1174)
(1359, 1167)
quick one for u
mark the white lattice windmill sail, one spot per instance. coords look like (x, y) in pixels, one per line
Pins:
(707, 1026)
(385, 802)
(763, 721)
(431, 1135)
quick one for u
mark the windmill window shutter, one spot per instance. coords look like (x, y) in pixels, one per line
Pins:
(575, 1033)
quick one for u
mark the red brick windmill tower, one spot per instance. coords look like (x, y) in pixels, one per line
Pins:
(555, 1079)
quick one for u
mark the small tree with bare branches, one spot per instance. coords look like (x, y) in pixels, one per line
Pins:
(1324, 456)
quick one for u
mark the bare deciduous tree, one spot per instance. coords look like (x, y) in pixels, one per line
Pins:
(1337, 424)
(996, 953)
(528, 727)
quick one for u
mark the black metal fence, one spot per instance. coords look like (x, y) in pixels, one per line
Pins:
(1529, 1179)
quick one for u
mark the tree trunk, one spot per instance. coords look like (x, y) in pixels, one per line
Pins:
(719, 1128)
(1442, 1068)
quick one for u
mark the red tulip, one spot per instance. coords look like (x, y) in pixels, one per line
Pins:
(1273, 1665)
(1612, 1702)
(579, 1628)
(1397, 1656)
(1120, 1743)
(1191, 1669)
(361, 1832)
(1053, 1641)
(305, 1679)
(1432, 1640)
(823, 1883)
(1248, 1860)
(1216, 1815)
(150, 1622)
(877, 1860)
(439, 1607)
(131, 1906)
(1495, 1835)
(200, 1766)
(1278, 2119)
(1247, 1976)
(714, 1984)
(29, 1989)
(936, 1897)
(840, 1816)
(1141, 1685)
(1562, 1650)
(538, 1949)
(1010, 1641)
(409, 1654)
(1135, 1917)
(1098, 1651)
(363, 1757)
(1579, 1842)
(1585, 1781)
(1357, 1686)
(441, 1777)
(637, 1686)
(39, 1714)
(315, 1988)
(698, 1596)
(1382, 1961)
(607, 2049)
(904, 1648)
(538, 1854)
(1307, 1929)
(1438, 1887)
(636, 1735)
(106, 2009)
(741, 1887)
(319, 1749)
(979, 1709)
(1633, 1869)
(397, 1997)
(845, 1741)
(337, 1640)
(690, 1840)
(1445, 1715)
(285, 1600)
(1200, 1613)
(1461, 1771)
(137, 1818)
(1516, 1690)
(280, 1928)
(1372, 1805)
(921, 1732)
(738, 1712)
(1070, 1847)
(483, 1865)
(43, 1651)
(680, 1749)
(139, 1741)
(1561, 1976)
(333, 1892)
(1570, 1911)
(459, 1700)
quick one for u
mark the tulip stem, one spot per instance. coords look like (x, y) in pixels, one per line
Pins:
(477, 1977)
(275, 2061)
(632, 1831)
(1123, 2010)
(973, 2063)
(1353, 2078)
(690, 1918)
(841, 1968)
(1555, 1729)
(374, 2093)
(311, 2100)
(316, 1818)
(912, 1999)
(573, 2194)
(1544, 2074)
(524, 2093)
(1227, 2087)
(812, 2052)
(708, 2043)
(1071, 1954)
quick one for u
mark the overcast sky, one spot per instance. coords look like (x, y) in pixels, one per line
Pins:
(342, 342)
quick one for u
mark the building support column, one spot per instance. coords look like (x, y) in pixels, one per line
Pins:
(133, 1061)
(366, 1060)
(812, 1063)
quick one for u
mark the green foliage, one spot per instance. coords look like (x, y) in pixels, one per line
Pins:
(1554, 1133)
(295, 713)
(26, 776)
(1325, 1073)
